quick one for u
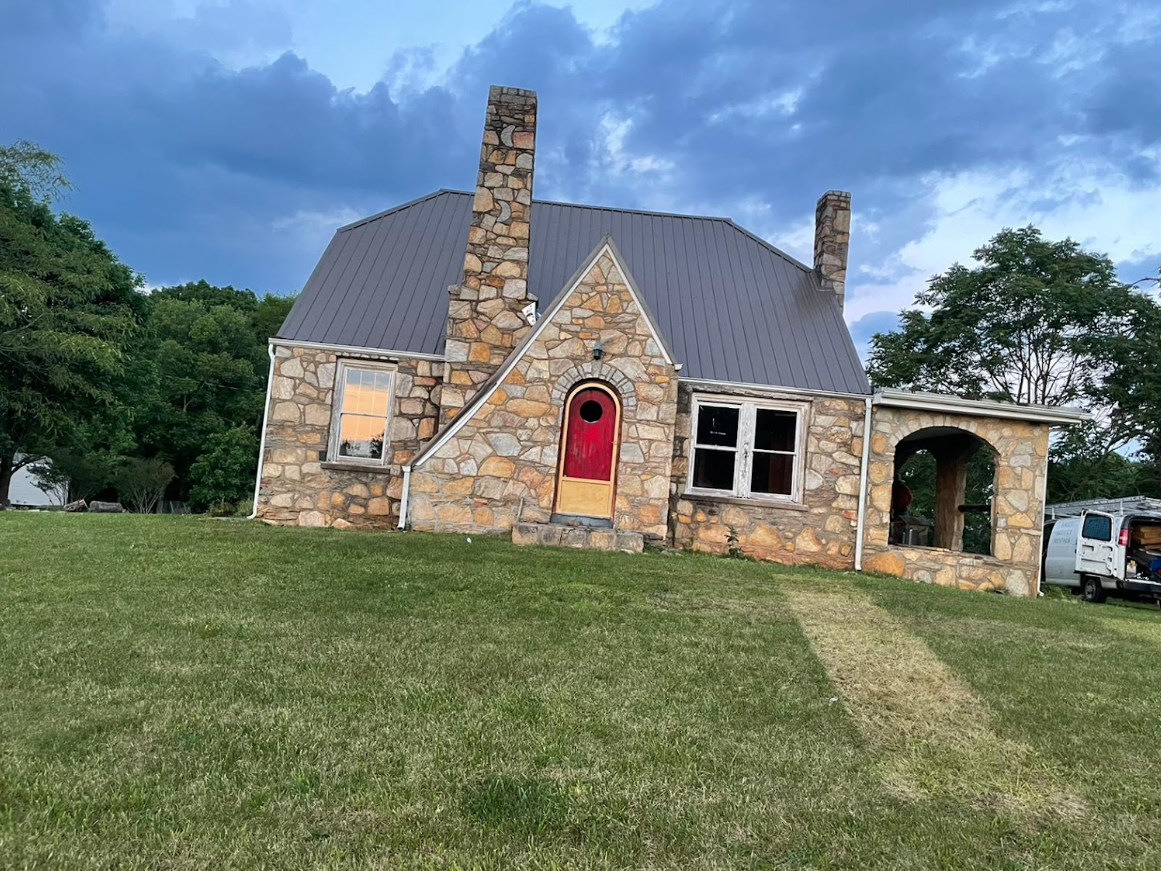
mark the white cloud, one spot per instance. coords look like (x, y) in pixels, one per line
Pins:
(1102, 209)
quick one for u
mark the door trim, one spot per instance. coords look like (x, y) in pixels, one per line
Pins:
(614, 470)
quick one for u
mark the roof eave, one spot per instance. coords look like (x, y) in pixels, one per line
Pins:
(938, 402)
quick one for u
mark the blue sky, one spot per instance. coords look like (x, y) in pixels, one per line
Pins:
(226, 139)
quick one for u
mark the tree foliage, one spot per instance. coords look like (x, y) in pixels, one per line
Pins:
(80, 474)
(202, 370)
(94, 372)
(1031, 324)
(68, 310)
(1040, 322)
(223, 476)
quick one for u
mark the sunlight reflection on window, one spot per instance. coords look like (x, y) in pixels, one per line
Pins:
(363, 417)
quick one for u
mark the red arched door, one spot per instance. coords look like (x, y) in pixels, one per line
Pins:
(588, 451)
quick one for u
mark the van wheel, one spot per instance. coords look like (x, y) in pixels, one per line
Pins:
(1093, 591)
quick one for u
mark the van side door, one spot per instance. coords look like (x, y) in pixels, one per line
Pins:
(1096, 546)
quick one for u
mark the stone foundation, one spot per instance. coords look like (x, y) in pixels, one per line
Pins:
(820, 530)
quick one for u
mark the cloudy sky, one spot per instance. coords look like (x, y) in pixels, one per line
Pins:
(226, 139)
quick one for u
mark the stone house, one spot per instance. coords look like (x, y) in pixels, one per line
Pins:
(597, 377)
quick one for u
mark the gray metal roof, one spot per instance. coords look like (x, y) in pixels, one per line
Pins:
(732, 307)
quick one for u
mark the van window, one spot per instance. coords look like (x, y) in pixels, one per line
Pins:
(1098, 527)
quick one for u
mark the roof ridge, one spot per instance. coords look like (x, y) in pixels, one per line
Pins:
(383, 214)
(770, 246)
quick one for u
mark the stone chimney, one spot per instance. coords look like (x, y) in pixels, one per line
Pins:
(486, 312)
(832, 238)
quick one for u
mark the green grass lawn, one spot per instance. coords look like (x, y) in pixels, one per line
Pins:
(186, 693)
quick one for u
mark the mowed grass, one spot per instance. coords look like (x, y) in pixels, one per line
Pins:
(186, 693)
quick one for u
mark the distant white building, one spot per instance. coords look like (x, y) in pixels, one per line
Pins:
(25, 491)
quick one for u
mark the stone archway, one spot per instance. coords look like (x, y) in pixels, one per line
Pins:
(952, 451)
(595, 371)
(1020, 450)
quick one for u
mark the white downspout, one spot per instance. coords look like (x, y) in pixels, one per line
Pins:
(262, 441)
(403, 498)
(861, 523)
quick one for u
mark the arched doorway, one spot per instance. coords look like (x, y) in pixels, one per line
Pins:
(942, 491)
(589, 442)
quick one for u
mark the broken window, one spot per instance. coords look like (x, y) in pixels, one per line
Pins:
(362, 410)
(745, 449)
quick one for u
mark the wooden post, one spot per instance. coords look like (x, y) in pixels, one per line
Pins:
(951, 461)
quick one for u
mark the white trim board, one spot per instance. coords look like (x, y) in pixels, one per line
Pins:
(353, 349)
(713, 383)
(938, 402)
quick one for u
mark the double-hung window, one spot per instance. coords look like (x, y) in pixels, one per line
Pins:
(362, 412)
(746, 449)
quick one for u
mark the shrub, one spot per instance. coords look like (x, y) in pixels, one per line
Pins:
(223, 475)
(141, 483)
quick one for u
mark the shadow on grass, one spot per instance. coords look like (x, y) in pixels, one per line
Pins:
(544, 809)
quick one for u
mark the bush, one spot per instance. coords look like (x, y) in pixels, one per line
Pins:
(142, 483)
(223, 475)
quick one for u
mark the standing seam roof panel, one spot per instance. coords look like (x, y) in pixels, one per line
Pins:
(732, 307)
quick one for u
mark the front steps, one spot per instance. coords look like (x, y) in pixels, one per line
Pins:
(585, 537)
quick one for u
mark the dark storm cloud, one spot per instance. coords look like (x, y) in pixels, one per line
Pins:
(193, 169)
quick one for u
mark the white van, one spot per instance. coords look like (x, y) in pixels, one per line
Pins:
(1102, 553)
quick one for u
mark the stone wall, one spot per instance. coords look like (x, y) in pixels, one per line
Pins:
(1021, 460)
(501, 465)
(298, 485)
(820, 530)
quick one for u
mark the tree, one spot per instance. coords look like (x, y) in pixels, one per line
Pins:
(68, 309)
(25, 165)
(203, 366)
(224, 474)
(142, 483)
(79, 475)
(1039, 322)
(1030, 325)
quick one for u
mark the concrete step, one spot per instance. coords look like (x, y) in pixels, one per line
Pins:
(587, 537)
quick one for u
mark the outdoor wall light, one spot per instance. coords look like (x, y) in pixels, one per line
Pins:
(598, 351)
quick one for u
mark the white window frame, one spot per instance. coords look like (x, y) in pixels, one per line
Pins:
(333, 455)
(743, 466)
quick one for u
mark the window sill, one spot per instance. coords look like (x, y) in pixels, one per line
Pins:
(765, 504)
(959, 554)
(333, 466)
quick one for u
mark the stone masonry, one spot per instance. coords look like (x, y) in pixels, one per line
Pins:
(298, 485)
(832, 239)
(501, 465)
(820, 530)
(485, 321)
(1021, 454)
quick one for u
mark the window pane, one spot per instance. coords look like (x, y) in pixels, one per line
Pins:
(366, 391)
(717, 425)
(381, 387)
(361, 437)
(1097, 527)
(774, 430)
(772, 474)
(713, 470)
